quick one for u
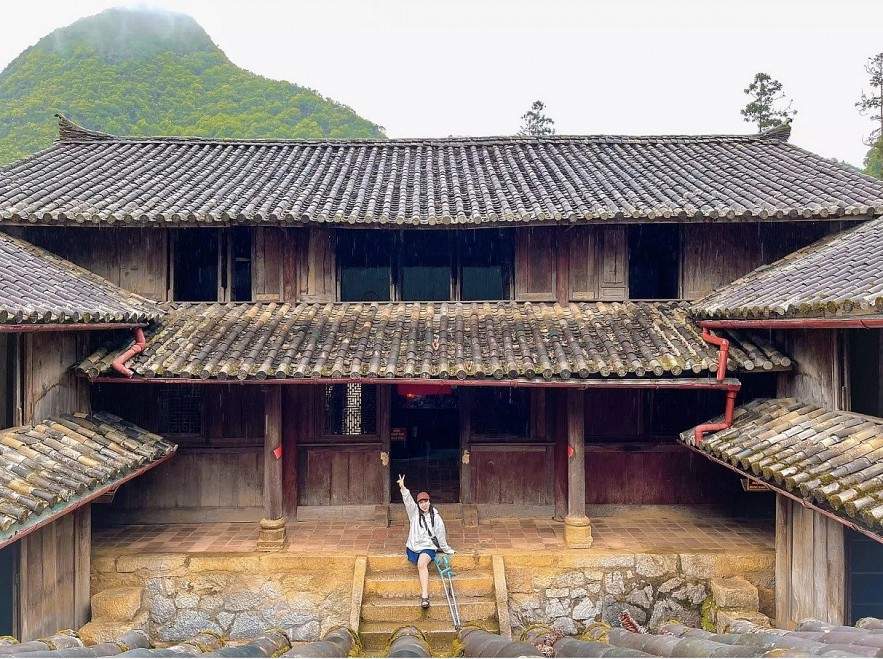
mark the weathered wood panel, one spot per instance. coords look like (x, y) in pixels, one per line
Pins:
(613, 275)
(512, 474)
(643, 473)
(810, 566)
(583, 263)
(50, 387)
(715, 254)
(53, 568)
(345, 474)
(816, 362)
(223, 484)
(535, 264)
(267, 264)
(143, 256)
(317, 276)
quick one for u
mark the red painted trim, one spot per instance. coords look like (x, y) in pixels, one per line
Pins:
(783, 492)
(82, 502)
(792, 323)
(140, 343)
(729, 384)
(62, 327)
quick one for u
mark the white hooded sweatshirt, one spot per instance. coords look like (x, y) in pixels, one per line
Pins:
(419, 537)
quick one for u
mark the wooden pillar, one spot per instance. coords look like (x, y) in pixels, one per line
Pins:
(558, 422)
(82, 565)
(293, 403)
(272, 537)
(470, 511)
(577, 527)
(384, 423)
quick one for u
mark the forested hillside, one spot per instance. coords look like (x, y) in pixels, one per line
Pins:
(149, 72)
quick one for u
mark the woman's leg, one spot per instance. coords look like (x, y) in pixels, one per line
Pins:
(423, 570)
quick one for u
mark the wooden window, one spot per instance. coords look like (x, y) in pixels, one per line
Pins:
(350, 409)
(179, 409)
(865, 366)
(211, 265)
(653, 262)
(365, 265)
(423, 266)
(865, 577)
(501, 412)
(535, 264)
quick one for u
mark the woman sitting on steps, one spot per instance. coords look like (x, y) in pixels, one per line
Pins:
(426, 536)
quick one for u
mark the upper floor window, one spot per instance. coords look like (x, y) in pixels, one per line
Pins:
(211, 265)
(423, 266)
(654, 262)
(350, 409)
(864, 349)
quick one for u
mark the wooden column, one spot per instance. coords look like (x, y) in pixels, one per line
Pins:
(272, 537)
(577, 527)
(558, 422)
(470, 511)
(384, 422)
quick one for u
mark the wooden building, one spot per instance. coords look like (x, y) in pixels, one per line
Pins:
(53, 463)
(505, 320)
(819, 444)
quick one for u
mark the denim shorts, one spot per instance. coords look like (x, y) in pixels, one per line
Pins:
(414, 555)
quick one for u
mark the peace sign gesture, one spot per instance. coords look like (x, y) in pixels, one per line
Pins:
(401, 481)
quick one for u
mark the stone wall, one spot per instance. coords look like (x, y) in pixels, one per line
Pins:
(571, 590)
(235, 595)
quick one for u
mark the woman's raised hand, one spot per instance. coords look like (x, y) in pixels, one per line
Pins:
(401, 481)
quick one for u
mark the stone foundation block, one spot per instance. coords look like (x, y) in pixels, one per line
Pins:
(103, 632)
(577, 532)
(272, 536)
(117, 604)
(734, 593)
(381, 516)
(470, 516)
(725, 618)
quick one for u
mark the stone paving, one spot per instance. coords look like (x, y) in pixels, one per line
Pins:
(626, 534)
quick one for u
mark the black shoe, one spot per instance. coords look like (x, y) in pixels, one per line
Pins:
(424, 603)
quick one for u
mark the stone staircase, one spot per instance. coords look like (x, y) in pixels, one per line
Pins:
(392, 600)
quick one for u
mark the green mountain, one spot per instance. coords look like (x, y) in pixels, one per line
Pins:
(152, 72)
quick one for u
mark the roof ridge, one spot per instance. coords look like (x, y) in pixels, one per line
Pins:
(69, 131)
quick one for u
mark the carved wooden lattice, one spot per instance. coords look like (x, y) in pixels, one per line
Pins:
(351, 409)
(180, 410)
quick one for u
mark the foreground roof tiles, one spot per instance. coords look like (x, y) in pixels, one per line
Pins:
(838, 276)
(37, 287)
(47, 469)
(90, 177)
(502, 340)
(832, 459)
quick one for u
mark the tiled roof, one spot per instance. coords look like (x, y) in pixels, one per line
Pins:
(89, 177)
(832, 459)
(47, 469)
(502, 340)
(37, 287)
(840, 275)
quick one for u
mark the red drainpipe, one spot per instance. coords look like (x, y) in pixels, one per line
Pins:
(700, 430)
(140, 343)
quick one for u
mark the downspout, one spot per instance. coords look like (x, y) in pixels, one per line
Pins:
(700, 430)
(140, 343)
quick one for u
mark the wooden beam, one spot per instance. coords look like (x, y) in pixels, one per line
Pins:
(558, 421)
(272, 536)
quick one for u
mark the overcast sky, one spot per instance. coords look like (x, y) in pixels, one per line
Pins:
(450, 67)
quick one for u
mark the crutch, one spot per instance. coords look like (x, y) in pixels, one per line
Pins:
(443, 563)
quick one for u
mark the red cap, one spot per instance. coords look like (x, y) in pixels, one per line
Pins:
(422, 496)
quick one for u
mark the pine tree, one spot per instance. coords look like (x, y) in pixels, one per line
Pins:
(872, 104)
(764, 107)
(535, 122)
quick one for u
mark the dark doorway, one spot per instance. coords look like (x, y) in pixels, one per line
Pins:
(654, 255)
(865, 576)
(425, 441)
(8, 594)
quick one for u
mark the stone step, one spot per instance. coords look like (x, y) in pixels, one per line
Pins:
(440, 635)
(462, 562)
(406, 584)
(404, 610)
